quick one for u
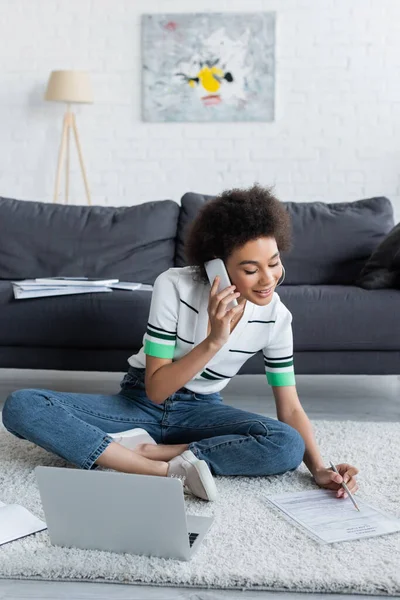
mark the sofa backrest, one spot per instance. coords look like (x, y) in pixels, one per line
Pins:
(331, 242)
(134, 243)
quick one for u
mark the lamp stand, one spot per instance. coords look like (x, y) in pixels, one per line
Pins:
(69, 123)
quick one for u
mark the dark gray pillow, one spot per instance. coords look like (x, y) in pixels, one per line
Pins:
(382, 269)
(331, 241)
(190, 206)
(134, 243)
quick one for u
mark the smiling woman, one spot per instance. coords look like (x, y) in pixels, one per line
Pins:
(247, 229)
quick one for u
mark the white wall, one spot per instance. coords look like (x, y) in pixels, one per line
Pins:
(335, 137)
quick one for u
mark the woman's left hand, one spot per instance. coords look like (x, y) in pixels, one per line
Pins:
(327, 478)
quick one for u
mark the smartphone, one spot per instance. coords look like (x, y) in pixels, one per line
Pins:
(216, 267)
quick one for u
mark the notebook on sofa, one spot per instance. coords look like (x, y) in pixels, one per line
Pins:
(17, 522)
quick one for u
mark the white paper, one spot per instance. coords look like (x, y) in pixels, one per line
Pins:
(16, 522)
(331, 519)
(73, 281)
(21, 294)
(31, 288)
(131, 286)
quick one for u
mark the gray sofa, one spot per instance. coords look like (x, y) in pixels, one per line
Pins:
(338, 327)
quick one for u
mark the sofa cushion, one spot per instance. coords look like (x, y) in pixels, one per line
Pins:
(331, 242)
(191, 203)
(108, 320)
(382, 269)
(133, 243)
(337, 317)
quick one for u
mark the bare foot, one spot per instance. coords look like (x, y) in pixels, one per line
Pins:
(163, 452)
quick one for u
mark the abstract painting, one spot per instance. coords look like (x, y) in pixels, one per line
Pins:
(208, 67)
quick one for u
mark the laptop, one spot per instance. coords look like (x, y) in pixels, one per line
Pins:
(119, 512)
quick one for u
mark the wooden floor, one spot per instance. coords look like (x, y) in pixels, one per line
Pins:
(22, 590)
(358, 398)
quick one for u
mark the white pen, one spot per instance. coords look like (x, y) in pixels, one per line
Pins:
(345, 486)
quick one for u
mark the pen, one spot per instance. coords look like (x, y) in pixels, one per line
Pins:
(345, 486)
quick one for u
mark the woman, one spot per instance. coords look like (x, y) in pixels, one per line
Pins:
(168, 419)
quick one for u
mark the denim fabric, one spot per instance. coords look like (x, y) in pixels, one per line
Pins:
(231, 441)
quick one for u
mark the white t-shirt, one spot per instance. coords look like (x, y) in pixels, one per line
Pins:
(178, 322)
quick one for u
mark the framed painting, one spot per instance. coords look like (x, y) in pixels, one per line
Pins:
(208, 67)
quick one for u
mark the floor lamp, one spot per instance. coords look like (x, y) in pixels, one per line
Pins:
(69, 87)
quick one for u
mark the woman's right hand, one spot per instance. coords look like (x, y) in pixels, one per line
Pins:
(220, 317)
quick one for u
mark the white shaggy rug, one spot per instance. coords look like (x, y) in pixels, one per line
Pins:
(249, 545)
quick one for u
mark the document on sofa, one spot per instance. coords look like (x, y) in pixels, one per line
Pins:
(115, 284)
(29, 288)
(329, 519)
(130, 286)
(35, 288)
(74, 281)
(17, 522)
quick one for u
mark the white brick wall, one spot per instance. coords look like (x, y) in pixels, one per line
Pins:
(335, 136)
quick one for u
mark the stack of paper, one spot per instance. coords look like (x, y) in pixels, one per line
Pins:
(128, 285)
(75, 281)
(58, 286)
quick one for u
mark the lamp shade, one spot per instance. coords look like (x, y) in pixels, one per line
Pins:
(69, 86)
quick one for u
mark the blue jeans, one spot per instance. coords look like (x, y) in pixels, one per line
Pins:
(230, 440)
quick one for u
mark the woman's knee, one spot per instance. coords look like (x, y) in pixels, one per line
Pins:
(288, 439)
(17, 407)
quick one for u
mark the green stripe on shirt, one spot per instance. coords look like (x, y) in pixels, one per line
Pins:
(158, 350)
(280, 379)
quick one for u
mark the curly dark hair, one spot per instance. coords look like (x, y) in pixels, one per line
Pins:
(232, 219)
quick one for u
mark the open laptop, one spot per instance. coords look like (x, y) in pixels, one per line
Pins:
(119, 512)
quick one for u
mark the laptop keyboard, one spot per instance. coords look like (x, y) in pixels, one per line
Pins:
(192, 538)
